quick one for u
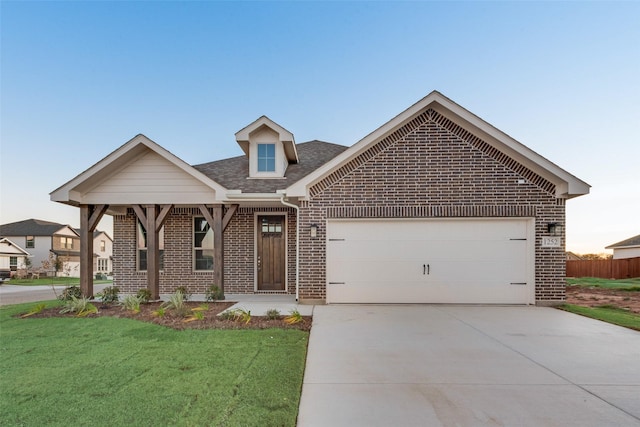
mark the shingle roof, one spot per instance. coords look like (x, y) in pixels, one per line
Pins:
(30, 227)
(633, 241)
(232, 173)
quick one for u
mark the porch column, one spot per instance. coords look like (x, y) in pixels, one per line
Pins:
(153, 219)
(218, 222)
(90, 216)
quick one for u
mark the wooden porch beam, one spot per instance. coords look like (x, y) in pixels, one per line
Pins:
(227, 216)
(153, 252)
(90, 216)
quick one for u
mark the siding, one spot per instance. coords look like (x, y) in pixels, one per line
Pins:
(150, 179)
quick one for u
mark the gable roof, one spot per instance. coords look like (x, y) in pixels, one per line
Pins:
(74, 192)
(232, 173)
(628, 243)
(12, 248)
(284, 136)
(31, 227)
(567, 185)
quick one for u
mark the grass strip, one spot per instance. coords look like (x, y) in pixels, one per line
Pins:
(631, 285)
(57, 281)
(612, 315)
(120, 372)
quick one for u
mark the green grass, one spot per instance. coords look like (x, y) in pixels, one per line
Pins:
(619, 285)
(58, 281)
(120, 372)
(607, 314)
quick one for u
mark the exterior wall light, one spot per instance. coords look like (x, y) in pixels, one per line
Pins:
(554, 228)
(314, 231)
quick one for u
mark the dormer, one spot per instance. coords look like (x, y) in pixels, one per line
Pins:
(269, 147)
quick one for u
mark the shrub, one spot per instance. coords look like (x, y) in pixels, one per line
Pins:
(237, 315)
(160, 312)
(35, 310)
(109, 295)
(144, 295)
(131, 303)
(214, 293)
(184, 291)
(177, 302)
(293, 317)
(69, 293)
(81, 306)
(273, 314)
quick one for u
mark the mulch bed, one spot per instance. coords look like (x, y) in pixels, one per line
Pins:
(171, 319)
(594, 297)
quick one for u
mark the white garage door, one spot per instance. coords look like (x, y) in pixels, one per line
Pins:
(476, 261)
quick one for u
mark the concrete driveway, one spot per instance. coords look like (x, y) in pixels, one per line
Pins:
(432, 365)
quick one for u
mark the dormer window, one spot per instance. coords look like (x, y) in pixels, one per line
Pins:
(269, 147)
(266, 157)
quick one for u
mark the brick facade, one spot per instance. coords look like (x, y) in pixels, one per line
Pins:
(178, 270)
(432, 168)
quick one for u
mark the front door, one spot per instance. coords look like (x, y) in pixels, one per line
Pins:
(271, 253)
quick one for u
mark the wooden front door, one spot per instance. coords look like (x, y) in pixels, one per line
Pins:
(271, 253)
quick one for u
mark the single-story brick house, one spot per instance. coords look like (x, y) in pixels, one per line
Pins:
(434, 206)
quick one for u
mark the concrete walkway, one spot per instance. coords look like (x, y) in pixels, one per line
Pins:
(432, 365)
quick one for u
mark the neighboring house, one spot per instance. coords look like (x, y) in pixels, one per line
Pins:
(573, 257)
(103, 252)
(12, 258)
(629, 248)
(47, 241)
(434, 206)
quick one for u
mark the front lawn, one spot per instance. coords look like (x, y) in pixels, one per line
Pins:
(109, 371)
(48, 281)
(607, 314)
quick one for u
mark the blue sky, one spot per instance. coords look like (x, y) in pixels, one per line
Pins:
(79, 79)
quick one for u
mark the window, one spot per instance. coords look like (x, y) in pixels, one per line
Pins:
(13, 263)
(66, 243)
(31, 242)
(266, 157)
(202, 245)
(142, 247)
(103, 264)
(103, 246)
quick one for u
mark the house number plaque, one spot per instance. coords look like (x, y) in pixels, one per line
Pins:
(551, 242)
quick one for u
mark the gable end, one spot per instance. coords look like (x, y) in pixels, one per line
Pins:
(431, 116)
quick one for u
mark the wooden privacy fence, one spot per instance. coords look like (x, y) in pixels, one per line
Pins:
(605, 268)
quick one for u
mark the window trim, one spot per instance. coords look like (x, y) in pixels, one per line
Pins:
(195, 248)
(144, 248)
(267, 157)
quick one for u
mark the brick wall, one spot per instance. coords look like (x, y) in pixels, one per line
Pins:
(432, 168)
(239, 253)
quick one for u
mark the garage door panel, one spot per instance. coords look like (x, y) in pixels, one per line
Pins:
(449, 261)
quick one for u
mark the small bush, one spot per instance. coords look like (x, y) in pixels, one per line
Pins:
(81, 306)
(109, 295)
(35, 310)
(176, 302)
(293, 317)
(160, 312)
(273, 314)
(237, 315)
(131, 303)
(144, 295)
(69, 293)
(184, 291)
(214, 293)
